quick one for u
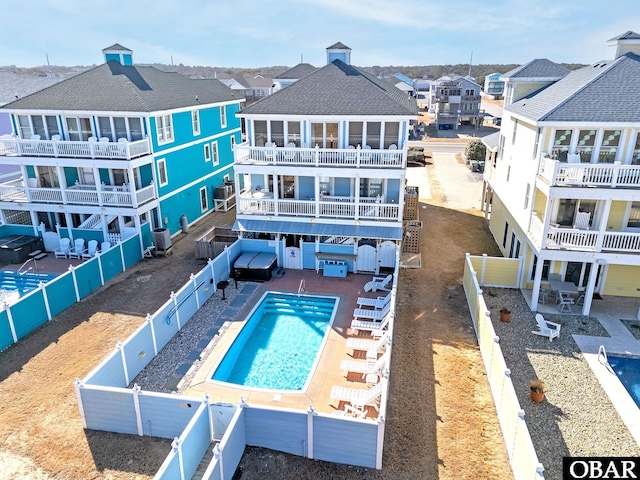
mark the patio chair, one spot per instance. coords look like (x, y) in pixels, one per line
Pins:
(377, 303)
(371, 346)
(78, 248)
(547, 328)
(564, 302)
(351, 411)
(364, 367)
(63, 250)
(376, 315)
(358, 397)
(104, 246)
(378, 283)
(370, 325)
(582, 220)
(91, 249)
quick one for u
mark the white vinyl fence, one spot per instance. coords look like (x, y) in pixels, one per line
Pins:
(522, 456)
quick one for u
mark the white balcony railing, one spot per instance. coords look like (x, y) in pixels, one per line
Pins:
(320, 157)
(584, 240)
(62, 148)
(609, 175)
(107, 195)
(347, 208)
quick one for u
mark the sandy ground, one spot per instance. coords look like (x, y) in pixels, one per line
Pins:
(441, 421)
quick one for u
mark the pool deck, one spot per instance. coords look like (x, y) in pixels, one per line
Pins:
(49, 264)
(327, 372)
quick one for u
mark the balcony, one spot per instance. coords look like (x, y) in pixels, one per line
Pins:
(584, 240)
(607, 175)
(325, 207)
(320, 157)
(79, 194)
(69, 149)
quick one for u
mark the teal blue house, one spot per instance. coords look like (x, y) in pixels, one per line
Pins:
(116, 150)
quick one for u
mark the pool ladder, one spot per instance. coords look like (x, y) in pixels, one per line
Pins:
(20, 272)
(603, 359)
(301, 287)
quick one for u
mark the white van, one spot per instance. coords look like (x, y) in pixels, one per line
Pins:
(422, 98)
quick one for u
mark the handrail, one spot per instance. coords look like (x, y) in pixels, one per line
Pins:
(30, 268)
(301, 287)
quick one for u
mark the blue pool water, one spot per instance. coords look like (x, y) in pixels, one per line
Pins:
(628, 371)
(278, 346)
(14, 285)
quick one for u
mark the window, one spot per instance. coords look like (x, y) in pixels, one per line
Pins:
(527, 195)
(135, 129)
(104, 125)
(536, 146)
(204, 201)
(223, 116)
(373, 134)
(355, 134)
(120, 127)
(515, 130)
(501, 147)
(609, 147)
(293, 133)
(214, 153)
(85, 175)
(260, 132)
(635, 160)
(561, 144)
(277, 132)
(586, 141)
(391, 133)
(634, 216)
(195, 120)
(207, 152)
(546, 266)
(119, 176)
(504, 236)
(233, 143)
(48, 177)
(52, 125)
(24, 126)
(162, 172)
(164, 129)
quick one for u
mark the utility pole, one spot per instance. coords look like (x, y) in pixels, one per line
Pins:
(470, 62)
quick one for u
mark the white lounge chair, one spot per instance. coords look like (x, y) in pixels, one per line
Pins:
(376, 315)
(78, 248)
(368, 345)
(91, 249)
(364, 367)
(371, 326)
(358, 397)
(547, 328)
(377, 303)
(351, 411)
(378, 283)
(104, 246)
(63, 250)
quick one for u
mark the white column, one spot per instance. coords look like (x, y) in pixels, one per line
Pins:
(136, 406)
(98, 184)
(120, 347)
(310, 415)
(69, 220)
(78, 385)
(276, 193)
(537, 279)
(591, 284)
(602, 230)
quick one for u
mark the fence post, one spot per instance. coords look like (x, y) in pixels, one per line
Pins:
(46, 299)
(174, 297)
(496, 341)
(213, 273)
(136, 406)
(100, 268)
(205, 400)
(177, 447)
(484, 268)
(380, 442)
(192, 277)
(153, 334)
(120, 347)
(515, 433)
(11, 325)
(226, 250)
(124, 264)
(78, 385)
(217, 455)
(72, 269)
(507, 375)
(310, 414)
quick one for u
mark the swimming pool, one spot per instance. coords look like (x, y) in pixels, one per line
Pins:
(628, 371)
(14, 285)
(280, 343)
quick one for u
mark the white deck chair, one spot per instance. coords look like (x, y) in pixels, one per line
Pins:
(378, 283)
(582, 220)
(368, 345)
(63, 250)
(377, 303)
(369, 325)
(78, 248)
(104, 246)
(547, 328)
(564, 302)
(364, 367)
(91, 249)
(376, 315)
(358, 397)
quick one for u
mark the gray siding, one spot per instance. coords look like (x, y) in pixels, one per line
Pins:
(233, 444)
(164, 330)
(306, 188)
(170, 469)
(111, 374)
(109, 411)
(195, 443)
(134, 346)
(344, 441)
(282, 431)
(342, 187)
(166, 417)
(393, 190)
(186, 299)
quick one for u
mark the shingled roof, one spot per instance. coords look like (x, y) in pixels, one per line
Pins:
(297, 72)
(538, 68)
(118, 88)
(606, 91)
(336, 89)
(116, 46)
(628, 35)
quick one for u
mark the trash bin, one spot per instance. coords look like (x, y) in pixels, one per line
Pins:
(162, 238)
(184, 223)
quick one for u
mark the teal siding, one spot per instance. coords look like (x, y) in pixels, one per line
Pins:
(88, 234)
(60, 293)
(146, 174)
(17, 230)
(31, 171)
(131, 251)
(146, 234)
(6, 339)
(29, 314)
(127, 59)
(111, 263)
(71, 175)
(112, 56)
(88, 277)
(104, 176)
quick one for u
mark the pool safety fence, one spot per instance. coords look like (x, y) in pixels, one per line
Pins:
(522, 455)
(108, 402)
(42, 304)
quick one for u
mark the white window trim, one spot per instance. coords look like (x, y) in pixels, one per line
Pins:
(195, 121)
(205, 207)
(160, 125)
(627, 214)
(223, 116)
(163, 162)
(232, 140)
(207, 152)
(215, 153)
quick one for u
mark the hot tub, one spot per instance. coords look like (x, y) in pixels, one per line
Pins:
(16, 248)
(254, 266)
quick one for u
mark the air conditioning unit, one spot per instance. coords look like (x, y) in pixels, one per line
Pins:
(231, 184)
(223, 191)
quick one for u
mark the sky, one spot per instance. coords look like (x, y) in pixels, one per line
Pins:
(253, 34)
